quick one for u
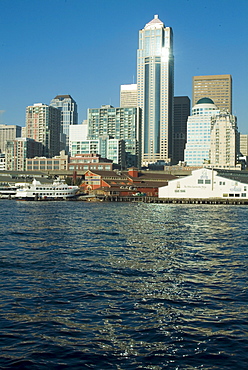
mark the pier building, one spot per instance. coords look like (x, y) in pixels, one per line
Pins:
(206, 183)
(124, 183)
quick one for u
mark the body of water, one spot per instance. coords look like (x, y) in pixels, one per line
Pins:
(123, 286)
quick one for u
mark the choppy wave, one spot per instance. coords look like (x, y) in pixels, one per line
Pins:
(123, 286)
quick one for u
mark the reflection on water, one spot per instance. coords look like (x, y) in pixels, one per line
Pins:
(123, 286)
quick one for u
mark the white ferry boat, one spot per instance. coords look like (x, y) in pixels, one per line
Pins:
(7, 191)
(59, 190)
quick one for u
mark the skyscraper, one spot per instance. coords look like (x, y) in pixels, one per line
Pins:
(243, 147)
(43, 124)
(77, 134)
(119, 123)
(18, 150)
(8, 132)
(128, 96)
(155, 80)
(198, 132)
(69, 115)
(224, 146)
(244, 144)
(216, 87)
(181, 113)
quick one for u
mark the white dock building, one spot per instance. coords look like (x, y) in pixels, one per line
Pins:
(206, 183)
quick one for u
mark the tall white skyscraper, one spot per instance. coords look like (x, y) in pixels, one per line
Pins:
(155, 80)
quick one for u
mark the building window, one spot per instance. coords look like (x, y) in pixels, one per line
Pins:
(200, 181)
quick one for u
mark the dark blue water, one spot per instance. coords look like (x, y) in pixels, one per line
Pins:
(123, 286)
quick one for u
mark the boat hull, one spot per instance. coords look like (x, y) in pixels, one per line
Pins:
(45, 192)
(47, 198)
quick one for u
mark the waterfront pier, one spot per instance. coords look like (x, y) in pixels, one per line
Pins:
(145, 199)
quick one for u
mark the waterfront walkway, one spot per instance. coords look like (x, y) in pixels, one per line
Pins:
(145, 199)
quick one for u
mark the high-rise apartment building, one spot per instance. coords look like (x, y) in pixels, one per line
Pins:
(216, 87)
(224, 141)
(181, 114)
(198, 132)
(243, 140)
(43, 124)
(18, 150)
(118, 123)
(113, 149)
(84, 146)
(243, 149)
(69, 115)
(77, 134)
(155, 80)
(128, 96)
(8, 132)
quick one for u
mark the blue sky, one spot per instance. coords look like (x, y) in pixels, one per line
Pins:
(88, 49)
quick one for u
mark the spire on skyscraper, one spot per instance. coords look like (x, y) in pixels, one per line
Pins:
(154, 23)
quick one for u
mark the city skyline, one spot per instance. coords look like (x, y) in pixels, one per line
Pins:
(50, 48)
